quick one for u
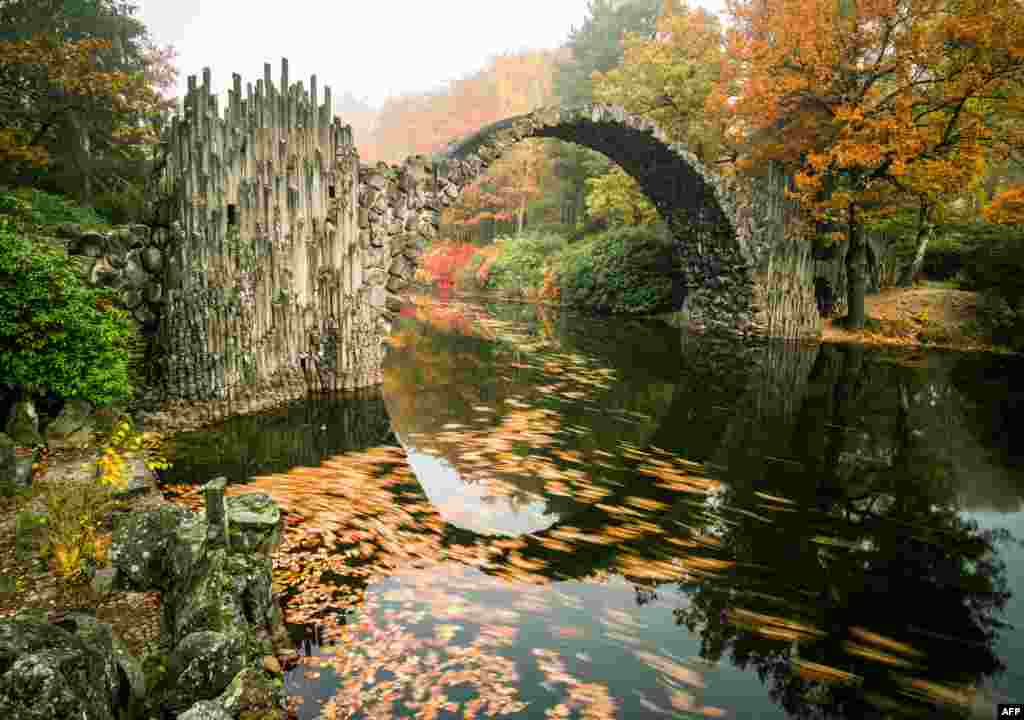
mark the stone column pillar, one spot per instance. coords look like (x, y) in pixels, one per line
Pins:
(216, 513)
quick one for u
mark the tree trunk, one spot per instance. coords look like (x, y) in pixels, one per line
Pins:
(924, 235)
(856, 273)
(81, 155)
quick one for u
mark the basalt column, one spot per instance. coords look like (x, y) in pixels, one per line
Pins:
(265, 282)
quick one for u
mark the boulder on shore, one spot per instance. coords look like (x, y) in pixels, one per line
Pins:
(73, 427)
(23, 424)
(77, 668)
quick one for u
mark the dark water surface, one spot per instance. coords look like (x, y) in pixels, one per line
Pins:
(542, 515)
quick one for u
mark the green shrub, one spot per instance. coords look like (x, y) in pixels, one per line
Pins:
(1002, 321)
(993, 264)
(122, 207)
(995, 261)
(31, 208)
(944, 258)
(630, 270)
(29, 534)
(57, 333)
(519, 267)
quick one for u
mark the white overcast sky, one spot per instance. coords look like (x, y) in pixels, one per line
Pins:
(371, 48)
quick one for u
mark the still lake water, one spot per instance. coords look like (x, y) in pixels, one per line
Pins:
(545, 515)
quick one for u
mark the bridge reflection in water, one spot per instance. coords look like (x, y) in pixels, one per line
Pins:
(714, 509)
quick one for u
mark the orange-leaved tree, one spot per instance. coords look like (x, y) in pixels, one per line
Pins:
(511, 84)
(872, 103)
(1007, 208)
(521, 176)
(50, 85)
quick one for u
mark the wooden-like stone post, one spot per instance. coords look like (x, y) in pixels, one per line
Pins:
(216, 512)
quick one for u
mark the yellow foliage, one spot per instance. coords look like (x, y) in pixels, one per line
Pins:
(1006, 208)
(617, 197)
(74, 514)
(668, 78)
(76, 509)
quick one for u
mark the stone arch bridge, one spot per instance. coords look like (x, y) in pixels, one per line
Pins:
(286, 256)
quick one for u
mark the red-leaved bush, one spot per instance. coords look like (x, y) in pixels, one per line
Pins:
(443, 260)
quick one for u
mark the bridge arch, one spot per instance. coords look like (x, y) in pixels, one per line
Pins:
(717, 250)
(281, 256)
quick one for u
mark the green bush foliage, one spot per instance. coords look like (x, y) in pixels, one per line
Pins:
(1002, 321)
(629, 270)
(993, 264)
(121, 207)
(944, 258)
(58, 334)
(994, 260)
(519, 266)
(31, 208)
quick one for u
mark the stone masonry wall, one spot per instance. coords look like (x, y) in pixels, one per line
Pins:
(128, 259)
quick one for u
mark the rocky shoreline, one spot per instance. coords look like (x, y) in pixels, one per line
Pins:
(222, 636)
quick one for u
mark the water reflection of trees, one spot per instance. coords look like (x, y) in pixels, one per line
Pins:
(865, 592)
(869, 594)
(849, 618)
(302, 432)
(452, 359)
(833, 558)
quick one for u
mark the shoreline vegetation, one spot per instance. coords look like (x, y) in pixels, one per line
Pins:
(539, 268)
(914, 317)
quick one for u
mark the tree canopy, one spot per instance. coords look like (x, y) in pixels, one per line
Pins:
(80, 98)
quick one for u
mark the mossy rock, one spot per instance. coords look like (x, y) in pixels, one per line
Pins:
(201, 667)
(53, 673)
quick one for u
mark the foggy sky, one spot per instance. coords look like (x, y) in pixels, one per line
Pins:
(371, 49)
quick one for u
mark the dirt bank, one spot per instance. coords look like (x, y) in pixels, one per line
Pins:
(926, 316)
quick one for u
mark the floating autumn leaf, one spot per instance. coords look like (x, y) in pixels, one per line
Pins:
(876, 639)
(563, 631)
(876, 655)
(816, 671)
(671, 668)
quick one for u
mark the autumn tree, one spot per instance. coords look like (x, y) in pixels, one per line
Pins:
(595, 46)
(667, 77)
(511, 84)
(79, 93)
(363, 118)
(522, 178)
(617, 198)
(1007, 208)
(871, 102)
